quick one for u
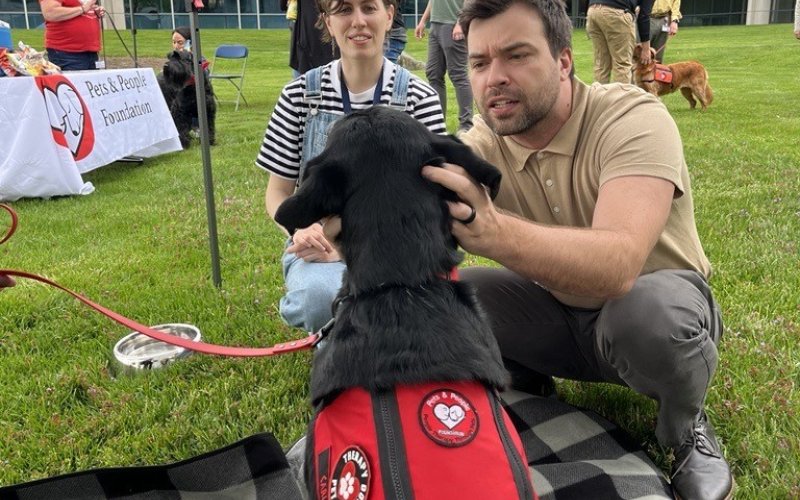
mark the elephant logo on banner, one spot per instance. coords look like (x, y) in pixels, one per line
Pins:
(69, 117)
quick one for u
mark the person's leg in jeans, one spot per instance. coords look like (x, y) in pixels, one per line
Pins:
(393, 48)
(436, 66)
(311, 288)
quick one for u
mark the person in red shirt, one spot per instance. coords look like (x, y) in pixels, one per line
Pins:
(72, 33)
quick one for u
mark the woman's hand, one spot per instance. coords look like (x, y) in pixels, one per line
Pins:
(311, 245)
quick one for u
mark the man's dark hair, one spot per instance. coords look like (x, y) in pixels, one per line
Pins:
(557, 26)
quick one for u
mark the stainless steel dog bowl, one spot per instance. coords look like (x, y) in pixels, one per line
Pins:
(137, 352)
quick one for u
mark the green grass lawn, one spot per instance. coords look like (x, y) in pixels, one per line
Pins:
(139, 245)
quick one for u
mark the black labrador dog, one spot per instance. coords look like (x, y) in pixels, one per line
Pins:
(405, 387)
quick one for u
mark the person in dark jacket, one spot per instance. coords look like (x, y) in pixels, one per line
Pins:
(308, 50)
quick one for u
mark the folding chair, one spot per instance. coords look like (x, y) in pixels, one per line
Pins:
(239, 52)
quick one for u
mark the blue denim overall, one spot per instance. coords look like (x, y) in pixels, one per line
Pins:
(311, 287)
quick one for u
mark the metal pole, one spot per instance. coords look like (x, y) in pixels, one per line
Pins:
(239, 13)
(25, 9)
(574, 9)
(133, 33)
(193, 6)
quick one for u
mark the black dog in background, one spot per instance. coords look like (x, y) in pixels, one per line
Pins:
(177, 82)
(400, 321)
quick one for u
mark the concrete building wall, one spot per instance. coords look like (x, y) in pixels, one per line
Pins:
(758, 11)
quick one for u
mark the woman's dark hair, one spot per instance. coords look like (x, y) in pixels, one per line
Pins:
(330, 7)
(183, 31)
(557, 26)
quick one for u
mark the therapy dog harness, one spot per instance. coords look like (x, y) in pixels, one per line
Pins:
(422, 441)
(661, 74)
(437, 440)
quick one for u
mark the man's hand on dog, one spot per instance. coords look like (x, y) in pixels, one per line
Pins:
(478, 236)
(645, 56)
(311, 245)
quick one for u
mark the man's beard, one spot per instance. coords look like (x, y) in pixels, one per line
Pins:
(534, 109)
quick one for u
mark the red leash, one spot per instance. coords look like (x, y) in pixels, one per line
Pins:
(205, 348)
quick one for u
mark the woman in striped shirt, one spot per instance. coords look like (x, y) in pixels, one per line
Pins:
(297, 131)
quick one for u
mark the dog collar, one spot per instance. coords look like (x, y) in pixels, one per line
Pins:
(451, 275)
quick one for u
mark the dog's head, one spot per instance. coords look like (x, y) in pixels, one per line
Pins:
(178, 69)
(637, 59)
(395, 223)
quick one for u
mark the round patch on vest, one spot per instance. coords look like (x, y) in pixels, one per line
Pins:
(351, 475)
(448, 418)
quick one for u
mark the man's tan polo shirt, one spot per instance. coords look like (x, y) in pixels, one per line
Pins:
(615, 130)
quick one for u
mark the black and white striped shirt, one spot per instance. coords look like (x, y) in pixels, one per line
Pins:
(282, 147)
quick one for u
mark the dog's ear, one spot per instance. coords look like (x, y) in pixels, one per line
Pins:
(456, 152)
(322, 193)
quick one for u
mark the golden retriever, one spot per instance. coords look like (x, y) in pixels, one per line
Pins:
(688, 76)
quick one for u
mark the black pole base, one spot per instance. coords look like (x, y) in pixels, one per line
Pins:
(131, 159)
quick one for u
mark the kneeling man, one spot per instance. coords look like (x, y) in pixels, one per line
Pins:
(604, 277)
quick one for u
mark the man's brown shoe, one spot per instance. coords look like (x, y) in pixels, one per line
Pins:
(700, 471)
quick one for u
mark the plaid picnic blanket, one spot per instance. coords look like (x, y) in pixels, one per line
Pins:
(572, 453)
(577, 454)
(254, 468)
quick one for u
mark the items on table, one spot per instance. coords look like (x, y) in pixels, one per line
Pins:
(25, 61)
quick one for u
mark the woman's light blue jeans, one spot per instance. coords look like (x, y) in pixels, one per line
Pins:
(311, 288)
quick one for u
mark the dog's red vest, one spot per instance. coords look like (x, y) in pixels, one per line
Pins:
(663, 74)
(438, 441)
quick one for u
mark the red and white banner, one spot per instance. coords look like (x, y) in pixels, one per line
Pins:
(54, 128)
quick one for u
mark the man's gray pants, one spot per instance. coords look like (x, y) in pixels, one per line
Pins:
(659, 37)
(450, 56)
(660, 339)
